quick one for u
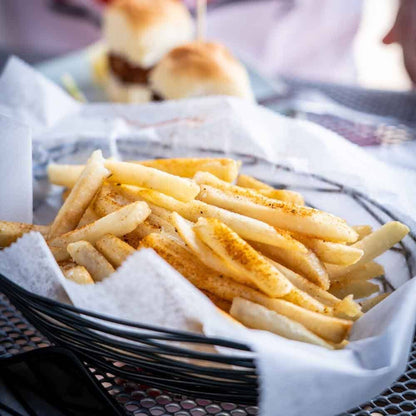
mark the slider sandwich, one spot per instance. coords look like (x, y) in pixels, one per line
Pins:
(199, 69)
(138, 34)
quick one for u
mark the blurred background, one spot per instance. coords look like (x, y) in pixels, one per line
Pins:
(325, 40)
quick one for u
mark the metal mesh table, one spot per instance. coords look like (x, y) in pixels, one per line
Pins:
(17, 335)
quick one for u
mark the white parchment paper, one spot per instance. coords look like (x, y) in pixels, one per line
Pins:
(15, 171)
(295, 378)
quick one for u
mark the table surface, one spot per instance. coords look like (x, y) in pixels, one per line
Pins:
(141, 400)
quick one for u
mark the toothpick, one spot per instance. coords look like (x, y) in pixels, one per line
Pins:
(201, 16)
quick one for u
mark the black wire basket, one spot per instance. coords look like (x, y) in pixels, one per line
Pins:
(159, 357)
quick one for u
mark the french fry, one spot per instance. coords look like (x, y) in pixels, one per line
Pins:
(369, 303)
(251, 265)
(88, 217)
(245, 227)
(200, 249)
(285, 195)
(345, 308)
(333, 253)
(373, 245)
(64, 175)
(307, 286)
(223, 304)
(144, 229)
(84, 253)
(76, 273)
(65, 194)
(119, 223)
(183, 189)
(114, 249)
(328, 327)
(108, 200)
(246, 181)
(80, 197)
(348, 309)
(362, 230)
(365, 271)
(306, 264)
(11, 231)
(291, 217)
(223, 168)
(258, 317)
(358, 288)
(304, 300)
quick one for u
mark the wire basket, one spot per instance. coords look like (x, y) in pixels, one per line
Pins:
(164, 359)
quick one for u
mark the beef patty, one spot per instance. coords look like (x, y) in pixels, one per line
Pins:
(127, 72)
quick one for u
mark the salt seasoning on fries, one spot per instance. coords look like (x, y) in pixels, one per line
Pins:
(255, 251)
(303, 220)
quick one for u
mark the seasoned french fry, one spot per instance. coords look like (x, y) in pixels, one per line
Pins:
(245, 227)
(258, 317)
(373, 246)
(108, 200)
(306, 264)
(365, 271)
(217, 301)
(200, 249)
(119, 223)
(299, 219)
(11, 231)
(84, 253)
(246, 181)
(203, 277)
(345, 308)
(307, 286)
(228, 245)
(144, 229)
(76, 273)
(358, 288)
(362, 230)
(285, 195)
(153, 224)
(114, 250)
(223, 168)
(183, 189)
(80, 197)
(333, 253)
(89, 216)
(369, 303)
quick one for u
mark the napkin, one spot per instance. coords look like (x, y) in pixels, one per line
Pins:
(295, 378)
(15, 171)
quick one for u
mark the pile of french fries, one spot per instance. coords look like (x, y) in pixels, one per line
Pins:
(258, 253)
